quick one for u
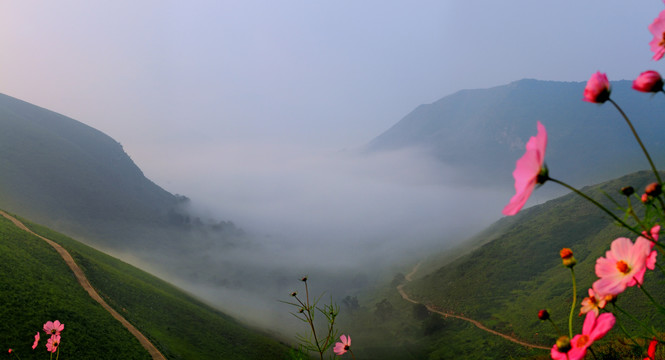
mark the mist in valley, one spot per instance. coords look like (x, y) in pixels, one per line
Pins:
(346, 219)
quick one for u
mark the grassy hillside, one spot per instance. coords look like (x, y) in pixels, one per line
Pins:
(502, 277)
(505, 281)
(37, 286)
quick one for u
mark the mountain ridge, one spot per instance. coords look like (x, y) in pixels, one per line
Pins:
(482, 132)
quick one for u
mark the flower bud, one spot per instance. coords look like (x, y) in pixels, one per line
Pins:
(653, 189)
(543, 315)
(610, 299)
(563, 344)
(648, 81)
(304, 279)
(645, 198)
(567, 257)
(294, 294)
(597, 89)
(627, 190)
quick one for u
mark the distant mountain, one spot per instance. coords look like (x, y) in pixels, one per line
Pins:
(76, 179)
(482, 132)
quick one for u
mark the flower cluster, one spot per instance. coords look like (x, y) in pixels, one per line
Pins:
(53, 330)
(626, 262)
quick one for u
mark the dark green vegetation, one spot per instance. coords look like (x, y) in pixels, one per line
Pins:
(37, 286)
(384, 326)
(482, 132)
(502, 277)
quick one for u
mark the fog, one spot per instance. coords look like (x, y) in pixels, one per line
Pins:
(344, 218)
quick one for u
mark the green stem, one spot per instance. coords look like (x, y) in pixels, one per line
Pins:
(635, 320)
(616, 218)
(632, 213)
(623, 329)
(660, 267)
(572, 307)
(646, 153)
(353, 356)
(556, 328)
(653, 301)
(311, 321)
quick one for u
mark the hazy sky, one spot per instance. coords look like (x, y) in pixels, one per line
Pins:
(245, 102)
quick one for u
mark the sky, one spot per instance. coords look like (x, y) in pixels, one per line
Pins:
(253, 108)
(246, 105)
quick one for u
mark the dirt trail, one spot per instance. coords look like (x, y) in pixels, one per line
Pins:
(80, 276)
(435, 309)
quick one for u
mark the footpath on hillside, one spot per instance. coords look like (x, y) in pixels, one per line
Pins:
(83, 281)
(408, 277)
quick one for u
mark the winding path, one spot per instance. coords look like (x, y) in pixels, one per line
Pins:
(408, 277)
(83, 281)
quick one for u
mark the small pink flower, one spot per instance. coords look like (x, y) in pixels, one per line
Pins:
(594, 328)
(593, 303)
(53, 343)
(651, 352)
(657, 28)
(644, 198)
(10, 351)
(648, 81)
(342, 347)
(597, 89)
(53, 327)
(34, 345)
(624, 265)
(529, 171)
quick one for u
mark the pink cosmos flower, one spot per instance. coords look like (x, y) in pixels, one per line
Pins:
(594, 328)
(53, 343)
(648, 81)
(53, 327)
(34, 345)
(597, 89)
(342, 347)
(624, 265)
(657, 28)
(654, 232)
(651, 352)
(529, 171)
(593, 303)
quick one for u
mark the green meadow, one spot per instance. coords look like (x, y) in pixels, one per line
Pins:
(37, 286)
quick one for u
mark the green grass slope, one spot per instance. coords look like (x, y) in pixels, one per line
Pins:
(37, 286)
(506, 280)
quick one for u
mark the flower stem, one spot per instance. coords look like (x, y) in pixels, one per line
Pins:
(353, 356)
(653, 301)
(556, 328)
(616, 218)
(572, 307)
(623, 329)
(635, 320)
(311, 321)
(639, 141)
